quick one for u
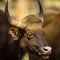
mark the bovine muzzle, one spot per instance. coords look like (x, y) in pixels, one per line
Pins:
(46, 52)
(43, 52)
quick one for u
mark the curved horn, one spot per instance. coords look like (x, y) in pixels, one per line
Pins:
(41, 12)
(12, 20)
(6, 11)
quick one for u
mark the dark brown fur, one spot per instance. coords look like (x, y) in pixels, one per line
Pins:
(52, 32)
(10, 49)
(4, 40)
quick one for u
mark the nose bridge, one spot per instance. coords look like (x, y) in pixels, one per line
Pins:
(46, 49)
(42, 41)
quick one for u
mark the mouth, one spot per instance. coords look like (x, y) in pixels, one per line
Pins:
(45, 56)
(40, 54)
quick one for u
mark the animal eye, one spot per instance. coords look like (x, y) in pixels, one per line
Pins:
(30, 35)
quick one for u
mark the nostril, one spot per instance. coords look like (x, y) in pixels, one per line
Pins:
(46, 49)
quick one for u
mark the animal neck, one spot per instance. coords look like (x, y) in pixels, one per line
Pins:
(27, 55)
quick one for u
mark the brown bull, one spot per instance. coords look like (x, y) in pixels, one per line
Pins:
(52, 31)
(22, 36)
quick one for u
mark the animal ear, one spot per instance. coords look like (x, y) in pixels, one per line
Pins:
(41, 12)
(14, 33)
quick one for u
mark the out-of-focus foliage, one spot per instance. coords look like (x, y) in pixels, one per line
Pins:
(0, 0)
(51, 5)
(48, 5)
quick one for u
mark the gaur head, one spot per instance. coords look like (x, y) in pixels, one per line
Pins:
(33, 38)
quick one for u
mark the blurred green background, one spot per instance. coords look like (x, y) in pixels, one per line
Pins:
(48, 5)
